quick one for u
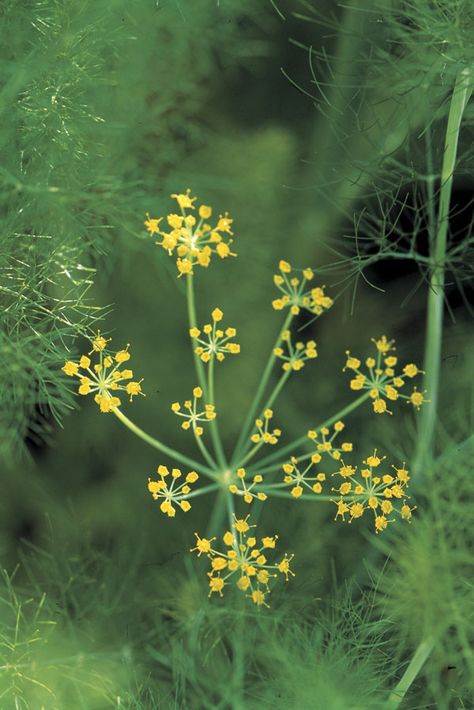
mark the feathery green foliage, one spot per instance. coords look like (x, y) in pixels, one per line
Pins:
(106, 109)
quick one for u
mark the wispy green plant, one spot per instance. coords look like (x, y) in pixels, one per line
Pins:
(424, 65)
(85, 88)
(302, 469)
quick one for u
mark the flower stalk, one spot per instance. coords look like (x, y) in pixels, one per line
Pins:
(419, 659)
(436, 296)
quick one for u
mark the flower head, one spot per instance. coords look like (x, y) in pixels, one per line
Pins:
(243, 561)
(191, 238)
(381, 378)
(264, 435)
(296, 294)
(246, 491)
(373, 487)
(172, 489)
(192, 414)
(295, 355)
(214, 342)
(301, 477)
(104, 378)
(326, 442)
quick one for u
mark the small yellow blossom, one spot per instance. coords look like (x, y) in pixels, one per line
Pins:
(295, 293)
(326, 442)
(247, 492)
(296, 354)
(213, 342)
(193, 241)
(193, 415)
(104, 379)
(170, 491)
(381, 379)
(370, 488)
(417, 398)
(300, 478)
(244, 561)
(264, 435)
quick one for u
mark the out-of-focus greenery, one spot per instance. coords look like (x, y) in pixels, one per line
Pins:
(106, 109)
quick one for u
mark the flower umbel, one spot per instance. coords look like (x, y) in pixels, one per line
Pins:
(371, 488)
(295, 294)
(381, 379)
(191, 414)
(325, 441)
(217, 342)
(168, 488)
(244, 558)
(263, 435)
(296, 355)
(191, 238)
(104, 378)
(246, 491)
(299, 478)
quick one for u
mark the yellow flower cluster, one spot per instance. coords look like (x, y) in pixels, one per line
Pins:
(300, 478)
(371, 488)
(245, 559)
(297, 354)
(218, 342)
(173, 492)
(191, 237)
(325, 441)
(105, 377)
(381, 379)
(246, 491)
(191, 414)
(263, 435)
(295, 294)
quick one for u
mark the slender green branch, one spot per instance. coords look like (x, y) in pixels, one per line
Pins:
(172, 453)
(278, 388)
(199, 491)
(277, 466)
(282, 454)
(229, 499)
(245, 449)
(260, 391)
(218, 514)
(254, 450)
(435, 309)
(279, 493)
(203, 449)
(216, 439)
(193, 324)
(416, 664)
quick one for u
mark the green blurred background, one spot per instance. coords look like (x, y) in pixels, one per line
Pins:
(107, 108)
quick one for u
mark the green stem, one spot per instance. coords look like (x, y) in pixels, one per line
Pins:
(278, 493)
(260, 391)
(218, 514)
(416, 664)
(172, 453)
(277, 466)
(246, 446)
(229, 499)
(435, 307)
(193, 324)
(201, 491)
(216, 439)
(241, 462)
(203, 449)
(289, 448)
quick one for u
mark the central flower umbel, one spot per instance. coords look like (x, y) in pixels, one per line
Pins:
(104, 378)
(193, 239)
(228, 476)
